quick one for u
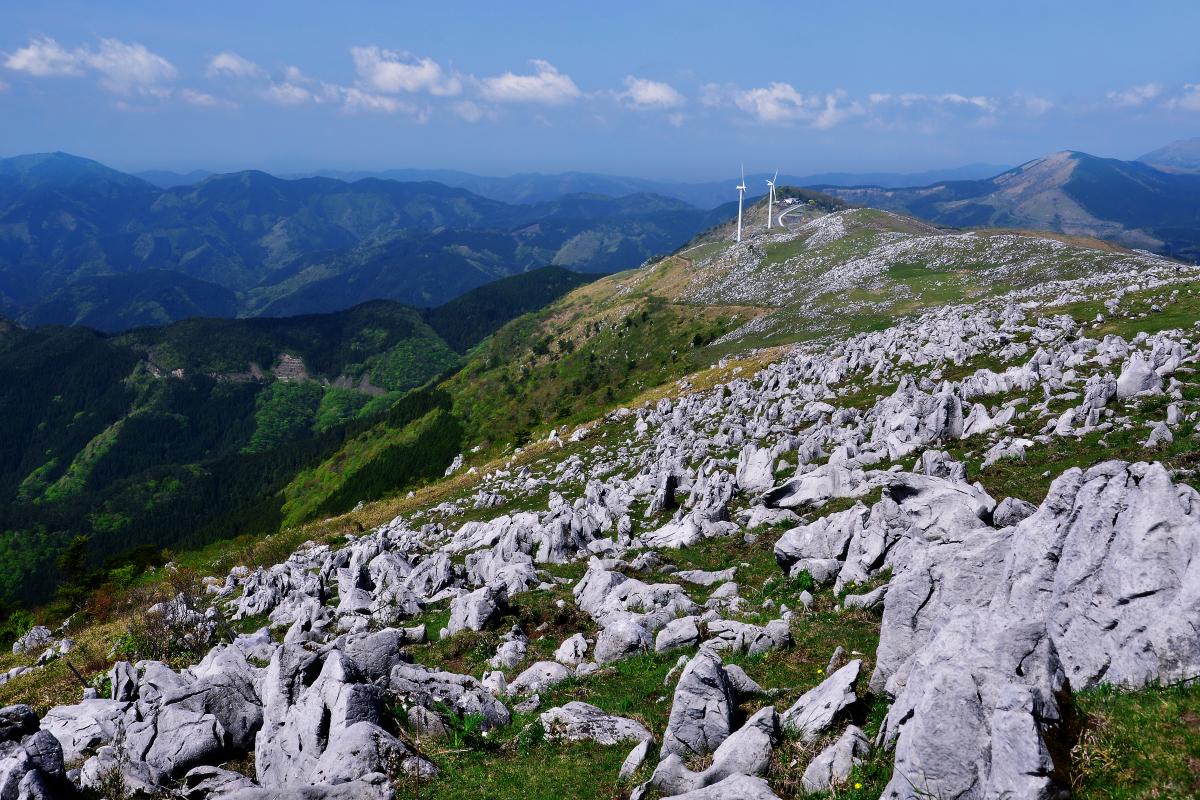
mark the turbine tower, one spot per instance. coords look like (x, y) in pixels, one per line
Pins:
(741, 187)
(770, 197)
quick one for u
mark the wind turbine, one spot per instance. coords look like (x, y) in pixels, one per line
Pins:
(771, 197)
(741, 187)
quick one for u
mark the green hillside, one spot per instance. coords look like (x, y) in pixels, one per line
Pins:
(179, 435)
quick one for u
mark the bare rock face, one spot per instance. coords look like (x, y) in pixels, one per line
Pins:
(735, 787)
(1137, 376)
(35, 638)
(702, 710)
(832, 765)
(31, 760)
(473, 611)
(538, 677)
(577, 722)
(81, 729)
(819, 708)
(426, 687)
(1101, 583)
(745, 752)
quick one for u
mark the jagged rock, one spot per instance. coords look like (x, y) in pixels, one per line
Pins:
(176, 739)
(225, 685)
(362, 749)
(577, 722)
(123, 678)
(473, 611)
(681, 632)
(702, 709)
(819, 708)
(35, 638)
(307, 705)
(832, 765)
(743, 685)
(511, 651)
(1137, 376)
(1010, 511)
(743, 637)
(635, 759)
(871, 600)
(201, 783)
(706, 577)
(572, 651)
(82, 728)
(619, 639)
(1159, 437)
(17, 721)
(735, 787)
(463, 693)
(538, 677)
(375, 654)
(422, 721)
(372, 787)
(1094, 586)
(745, 752)
(755, 469)
(139, 778)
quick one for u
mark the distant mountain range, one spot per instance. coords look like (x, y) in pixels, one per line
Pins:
(1128, 202)
(534, 187)
(1179, 156)
(73, 232)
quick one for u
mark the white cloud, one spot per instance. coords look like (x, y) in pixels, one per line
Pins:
(289, 94)
(122, 68)
(357, 100)
(780, 104)
(910, 99)
(1134, 95)
(195, 97)
(546, 85)
(394, 72)
(1188, 99)
(43, 58)
(645, 93)
(228, 64)
(469, 111)
(128, 68)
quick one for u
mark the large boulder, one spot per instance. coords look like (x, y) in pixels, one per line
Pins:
(832, 765)
(538, 677)
(702, 709)
(474, 610)
(817, 709)
(176, 739)
(81, 729)
(577, 722)
(746, 752)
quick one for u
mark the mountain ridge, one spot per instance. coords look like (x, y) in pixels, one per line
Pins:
(274, 242)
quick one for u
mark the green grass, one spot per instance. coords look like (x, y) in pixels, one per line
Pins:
(1138, 745)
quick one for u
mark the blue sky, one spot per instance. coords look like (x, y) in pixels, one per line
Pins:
(681, 90)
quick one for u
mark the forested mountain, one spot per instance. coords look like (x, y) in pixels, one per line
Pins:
(532, 187)
(283, 247)
(1129, 202)
(180, 434)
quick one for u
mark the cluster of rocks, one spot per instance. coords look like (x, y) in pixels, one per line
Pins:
(993, 613)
